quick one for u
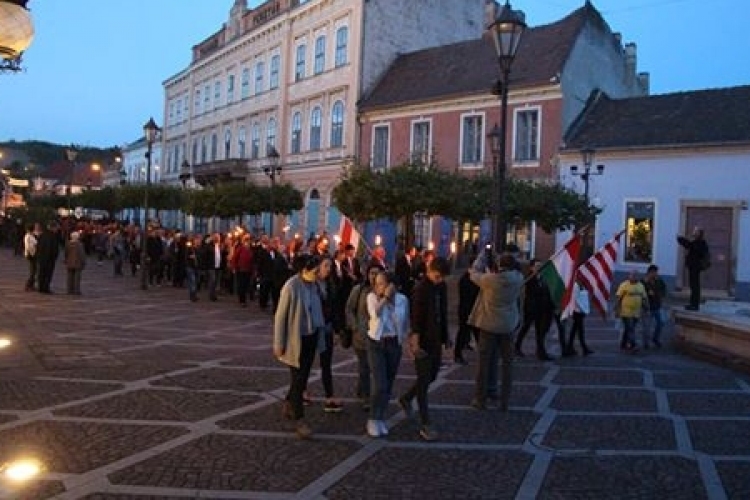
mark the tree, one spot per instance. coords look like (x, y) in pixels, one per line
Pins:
(404, 190)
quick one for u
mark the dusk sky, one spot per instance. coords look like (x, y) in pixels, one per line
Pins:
(94, 72)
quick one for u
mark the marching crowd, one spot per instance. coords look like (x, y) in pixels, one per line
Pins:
(323, 297)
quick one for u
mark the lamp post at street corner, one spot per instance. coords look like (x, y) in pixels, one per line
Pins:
(272, 169)
(587, 156)
(184, 178)
(71, 155)
(507, 30)
(495, 138)
(150, 131)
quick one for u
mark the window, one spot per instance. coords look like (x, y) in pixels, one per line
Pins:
(195, 152)
(320, 55)
(230, 89)
(197, 102)
(259, 68)
(204, 149)
(271, 133)
(273, 81)
(206, 98)
(171, 113)
(214, 146)
(227, 144)
(255, 141)
(296, 132)
(527, 135)
(186, 104)
(245, 83)
(380, 147)
(316, 123)
(420, 142)
(472, 135)
(342, 40)
(299, 71)
(175, 158)
(179, 110)
(337, 125)
(217, 94)
(241, 141)
(639, 224)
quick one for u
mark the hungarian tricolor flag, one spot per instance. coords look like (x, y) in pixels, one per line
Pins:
(348, 233)
(559, 272)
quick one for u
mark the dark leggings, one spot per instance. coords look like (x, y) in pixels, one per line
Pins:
(299, 376)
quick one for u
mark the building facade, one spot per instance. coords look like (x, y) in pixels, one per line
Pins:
(437, 106)
(288, 75)
(135, 169)
(671, 162)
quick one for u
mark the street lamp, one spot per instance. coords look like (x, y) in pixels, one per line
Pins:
(16, 33)
(150, 131)
(587, 155)
(184, 177)
(272, 170)
(507, 30)
(71, 154)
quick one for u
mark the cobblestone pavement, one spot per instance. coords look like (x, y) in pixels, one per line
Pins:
(131, 394)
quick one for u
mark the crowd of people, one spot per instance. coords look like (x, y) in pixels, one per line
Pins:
(324, 297)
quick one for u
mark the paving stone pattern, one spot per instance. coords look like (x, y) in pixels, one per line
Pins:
(131, 394)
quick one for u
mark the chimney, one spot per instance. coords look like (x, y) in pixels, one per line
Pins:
(631, 63)
(490, 12)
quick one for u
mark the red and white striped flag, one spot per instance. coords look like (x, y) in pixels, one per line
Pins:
(596, 273)
(348, 233)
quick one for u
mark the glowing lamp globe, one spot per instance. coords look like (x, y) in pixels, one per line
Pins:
(16, 29)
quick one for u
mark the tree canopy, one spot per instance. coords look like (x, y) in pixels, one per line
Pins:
(402, 191)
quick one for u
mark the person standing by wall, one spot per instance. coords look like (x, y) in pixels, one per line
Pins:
(696, 261)
(75, 262)
(429, 322)
(496, 313)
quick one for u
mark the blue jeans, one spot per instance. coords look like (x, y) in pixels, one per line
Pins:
(492, 348)
(384, 357)
(628, 332)
(652, 319)
(363, 369)
(192, 281)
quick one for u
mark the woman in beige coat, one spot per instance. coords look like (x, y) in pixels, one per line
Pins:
(75, 262)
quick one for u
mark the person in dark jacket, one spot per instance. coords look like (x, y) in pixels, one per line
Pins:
(538, 310)
(467, 295)
(696, 262)
(429, 333)
(47, 250)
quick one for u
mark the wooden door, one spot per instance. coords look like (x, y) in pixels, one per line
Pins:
(717, 226)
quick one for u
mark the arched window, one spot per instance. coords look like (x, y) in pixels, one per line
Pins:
(296, 133)
(316, 124)
(299, 68)
(271, 133)
(342, 40)
(227, 143)
(337, 125)
(204, 149)
(241, 141)
(214, 146)
(255, 141)
(320, 55)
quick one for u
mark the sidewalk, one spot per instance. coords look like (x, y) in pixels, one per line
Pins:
(123, 393)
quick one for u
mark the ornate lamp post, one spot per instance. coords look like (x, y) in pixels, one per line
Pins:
(507, 30)
(184, 178)
(16, 33)
(587, 155)
(150, 131)
(71, 154)
(272, 170)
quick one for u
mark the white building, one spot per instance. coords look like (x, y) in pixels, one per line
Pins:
(671, 162)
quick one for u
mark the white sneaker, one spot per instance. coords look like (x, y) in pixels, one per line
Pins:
(382, 428)
(373, 429)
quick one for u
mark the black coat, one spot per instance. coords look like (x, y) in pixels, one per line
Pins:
(429, 314)
(47, 247)
(697, 251)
